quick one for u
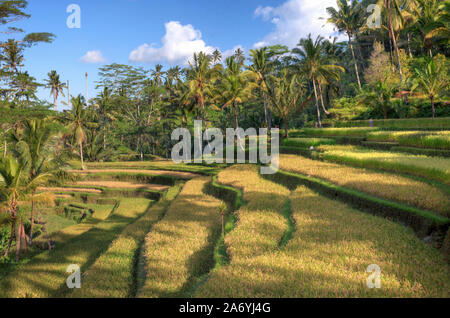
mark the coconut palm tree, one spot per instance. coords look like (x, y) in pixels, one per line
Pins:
(56, 87)
(12, 189)
(287, 94)
(77, 120)
(312, 62)
(158, 74)
(235, 87)
(431, 79)
(37, 147)
(217, 56)
(239, 56)
(200, 76)
(103, 104)
(348, 19)
(261, 68)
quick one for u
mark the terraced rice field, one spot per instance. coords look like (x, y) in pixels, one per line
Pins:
(122, 185)
(437, 169)
(383, 185)
(45, 274)
(328, 254)
(179, 248)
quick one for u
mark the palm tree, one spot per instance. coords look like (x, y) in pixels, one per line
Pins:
(37, 146)
(286, 93)
(77, 120)
(217, 56)
(235, 87)
(348, 19)
(379, 97)
(312, 62)
(431, 79)
(158, 74)
(56, 87)
(12, 171)
(261, 67)
(239, 56)
(200, 76)
(431, 22)
(104, 105)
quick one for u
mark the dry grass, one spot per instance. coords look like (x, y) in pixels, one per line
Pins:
(45, 275)
(180, 247)
(328, 256)
(122, 185)
(383, 185)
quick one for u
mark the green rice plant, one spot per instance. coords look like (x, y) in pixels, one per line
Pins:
(422, 151)
(113, 274)
(180, 248)
(380, 184)
(437, 169)
(339, 132)
(411, 123)
(440, 140)
(45, 274)
(436, 140)
(307, 142)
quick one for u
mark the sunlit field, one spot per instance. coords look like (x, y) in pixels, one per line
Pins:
(178, 152)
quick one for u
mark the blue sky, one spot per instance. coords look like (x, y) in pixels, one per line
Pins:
(147, 32)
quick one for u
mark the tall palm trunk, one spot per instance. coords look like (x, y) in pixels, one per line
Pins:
(236, 120)
(286, 133)
(317, 103)
(6, 147)
(267, 112)
(321, 99)
(433, 109)
(354, 60)
(394, 39)
(32, 217)
(81, 155)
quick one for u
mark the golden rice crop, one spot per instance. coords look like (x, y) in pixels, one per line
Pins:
(384, 185)
(111, 275)
(45, 274)
(180, 247)
(261, 224)
(328, 256)
(433, 168)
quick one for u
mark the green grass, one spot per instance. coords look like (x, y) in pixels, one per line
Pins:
(307, 142)
(433, 140)
(413, 123)
(437, 169)
(338, 132)
(45, 275)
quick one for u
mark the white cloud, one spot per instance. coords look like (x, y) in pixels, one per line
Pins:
(93, 57)
(295, 19)
(178, 46)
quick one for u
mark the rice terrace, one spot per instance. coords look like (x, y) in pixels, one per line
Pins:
(119, 177)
